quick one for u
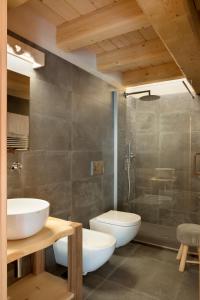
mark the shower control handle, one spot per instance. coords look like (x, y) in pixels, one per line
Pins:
(132, 155)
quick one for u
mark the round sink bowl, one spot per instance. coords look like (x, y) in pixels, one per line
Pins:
(25, 217)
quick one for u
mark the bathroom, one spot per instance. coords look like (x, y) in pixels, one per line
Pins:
(93, 147)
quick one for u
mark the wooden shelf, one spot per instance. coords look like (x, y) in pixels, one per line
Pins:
(40, 287)
(53, 230)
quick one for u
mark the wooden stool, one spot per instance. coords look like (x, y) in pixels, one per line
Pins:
(189, 236)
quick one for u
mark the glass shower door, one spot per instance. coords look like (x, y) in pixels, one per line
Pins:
(164, 137)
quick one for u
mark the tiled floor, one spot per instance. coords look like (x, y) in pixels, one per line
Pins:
(138, 272)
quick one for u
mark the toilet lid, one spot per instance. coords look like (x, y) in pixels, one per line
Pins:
(119, 218)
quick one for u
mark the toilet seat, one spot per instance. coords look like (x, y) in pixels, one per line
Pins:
(122, 225)
(119, 218)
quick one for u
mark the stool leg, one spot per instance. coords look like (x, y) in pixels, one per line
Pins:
(183, 258)
(180, 251)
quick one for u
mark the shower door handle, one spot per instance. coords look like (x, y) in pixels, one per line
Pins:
(196, 171)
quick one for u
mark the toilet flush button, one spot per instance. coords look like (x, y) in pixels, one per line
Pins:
(97, 167)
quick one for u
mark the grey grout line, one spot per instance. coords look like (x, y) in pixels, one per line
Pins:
(155, 245)
(129, 289)
(109, 275)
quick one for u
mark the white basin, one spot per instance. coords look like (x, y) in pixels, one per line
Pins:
(25, 217)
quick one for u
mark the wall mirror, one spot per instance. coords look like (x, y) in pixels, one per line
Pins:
(18, 103)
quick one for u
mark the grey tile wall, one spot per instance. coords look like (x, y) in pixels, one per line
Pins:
(70, 125)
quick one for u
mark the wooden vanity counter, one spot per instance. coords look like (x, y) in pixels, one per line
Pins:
(41, 285)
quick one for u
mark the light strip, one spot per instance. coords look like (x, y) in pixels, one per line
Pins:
(25, 52)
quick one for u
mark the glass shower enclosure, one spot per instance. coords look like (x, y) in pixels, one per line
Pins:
(158, 178)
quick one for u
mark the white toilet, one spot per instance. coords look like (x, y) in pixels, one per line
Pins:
(98, 248)
(122, 225)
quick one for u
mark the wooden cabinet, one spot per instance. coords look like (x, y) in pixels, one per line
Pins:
(41, 285)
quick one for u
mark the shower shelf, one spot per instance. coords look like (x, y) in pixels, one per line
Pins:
(40, 284)
(173, 179)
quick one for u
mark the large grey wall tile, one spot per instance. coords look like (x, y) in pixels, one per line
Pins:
(147, 160)
(92, 124)
(86, 137)
(174, 150)
(195, 142)
(87, 192)
(171, 217)
(14, 176)
(175, 122)
(58, 194)
(88, 85)
(175, 102)
(195, 122)
(195, 183)
(42, 167)
(108, 197)
(146, 142)
(49, 100)
(58, 166)
(33, 172)
(146, 122)
(49, 133)
(87, 199)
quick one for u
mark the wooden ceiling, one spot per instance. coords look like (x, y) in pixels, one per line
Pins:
(147, 41)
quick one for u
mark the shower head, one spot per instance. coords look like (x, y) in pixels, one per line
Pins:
(148, 97)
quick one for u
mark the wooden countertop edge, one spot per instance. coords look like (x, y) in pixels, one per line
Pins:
(20, 248)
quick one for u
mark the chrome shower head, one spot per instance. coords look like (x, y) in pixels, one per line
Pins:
(149, 98)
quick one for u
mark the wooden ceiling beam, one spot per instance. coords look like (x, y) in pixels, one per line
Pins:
(197, 4)
(152, 74)
(15, 3)
(178, 25)
(133, 56)
(107, 22)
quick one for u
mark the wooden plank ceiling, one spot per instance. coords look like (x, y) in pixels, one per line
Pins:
(178, 25)
(128, 36)
(15, 3)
